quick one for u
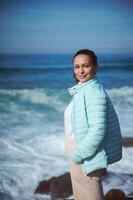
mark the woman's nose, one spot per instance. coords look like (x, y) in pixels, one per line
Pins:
(81, 70)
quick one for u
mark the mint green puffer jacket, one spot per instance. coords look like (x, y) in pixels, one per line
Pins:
(95, 126)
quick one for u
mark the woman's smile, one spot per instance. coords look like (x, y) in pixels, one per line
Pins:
(82, 76)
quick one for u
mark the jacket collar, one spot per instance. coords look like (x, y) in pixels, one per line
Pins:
(74, 89)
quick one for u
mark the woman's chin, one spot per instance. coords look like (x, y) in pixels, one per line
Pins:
(82, 80)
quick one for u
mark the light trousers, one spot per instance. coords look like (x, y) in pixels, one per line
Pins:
(85, 187)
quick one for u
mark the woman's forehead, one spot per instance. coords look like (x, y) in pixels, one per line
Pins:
(82, 59)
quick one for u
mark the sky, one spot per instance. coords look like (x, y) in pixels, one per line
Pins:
(44, 26)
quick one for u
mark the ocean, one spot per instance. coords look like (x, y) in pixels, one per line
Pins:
(33, 96)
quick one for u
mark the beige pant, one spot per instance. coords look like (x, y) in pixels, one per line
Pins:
(84, 187)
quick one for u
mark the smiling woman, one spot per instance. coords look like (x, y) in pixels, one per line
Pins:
(93, 135)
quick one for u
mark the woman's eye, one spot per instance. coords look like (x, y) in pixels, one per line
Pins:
(87, 66)
(76, 66)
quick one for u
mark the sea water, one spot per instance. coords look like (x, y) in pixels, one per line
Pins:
(33, 96)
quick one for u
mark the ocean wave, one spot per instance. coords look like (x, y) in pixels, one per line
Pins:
(28, 101)
(123, 95)
(45, 97)
(58, 97)
(30, 70)
(31, 108)
(115, 67)
(50, 69)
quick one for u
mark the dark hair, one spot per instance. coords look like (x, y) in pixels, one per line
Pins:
(89, 53)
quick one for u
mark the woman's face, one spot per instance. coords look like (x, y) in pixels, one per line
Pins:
(84, 69)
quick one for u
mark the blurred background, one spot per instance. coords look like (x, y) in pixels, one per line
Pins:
(38, 41)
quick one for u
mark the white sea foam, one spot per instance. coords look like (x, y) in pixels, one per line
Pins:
(38, 96)
(123, 101)
(123, 95)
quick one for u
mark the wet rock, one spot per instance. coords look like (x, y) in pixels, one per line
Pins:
(127, 141)
(61, 187)
(115, 194)
(57, 187)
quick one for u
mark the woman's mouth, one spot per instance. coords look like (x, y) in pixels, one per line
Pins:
(82, 76)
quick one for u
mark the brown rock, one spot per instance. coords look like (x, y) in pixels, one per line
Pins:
(115, 194)
(44, 186)
(57, 187)
(61, 187)
(127, 141)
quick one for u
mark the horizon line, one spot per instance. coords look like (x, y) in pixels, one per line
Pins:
(66, 52)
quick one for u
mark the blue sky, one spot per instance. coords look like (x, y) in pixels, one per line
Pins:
(65, 26)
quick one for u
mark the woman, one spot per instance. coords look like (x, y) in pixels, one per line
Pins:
(93, 136)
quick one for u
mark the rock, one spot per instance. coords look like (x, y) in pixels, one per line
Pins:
(127, 141)
(115, 194)
(61, 187)
(57, 187)
(129, 198)
(43, 187)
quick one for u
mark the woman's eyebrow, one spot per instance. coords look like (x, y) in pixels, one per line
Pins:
(83, 64)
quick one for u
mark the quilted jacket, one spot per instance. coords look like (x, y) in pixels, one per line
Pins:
(95, 126)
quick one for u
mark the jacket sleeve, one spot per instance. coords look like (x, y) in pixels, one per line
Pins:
(96, 113)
